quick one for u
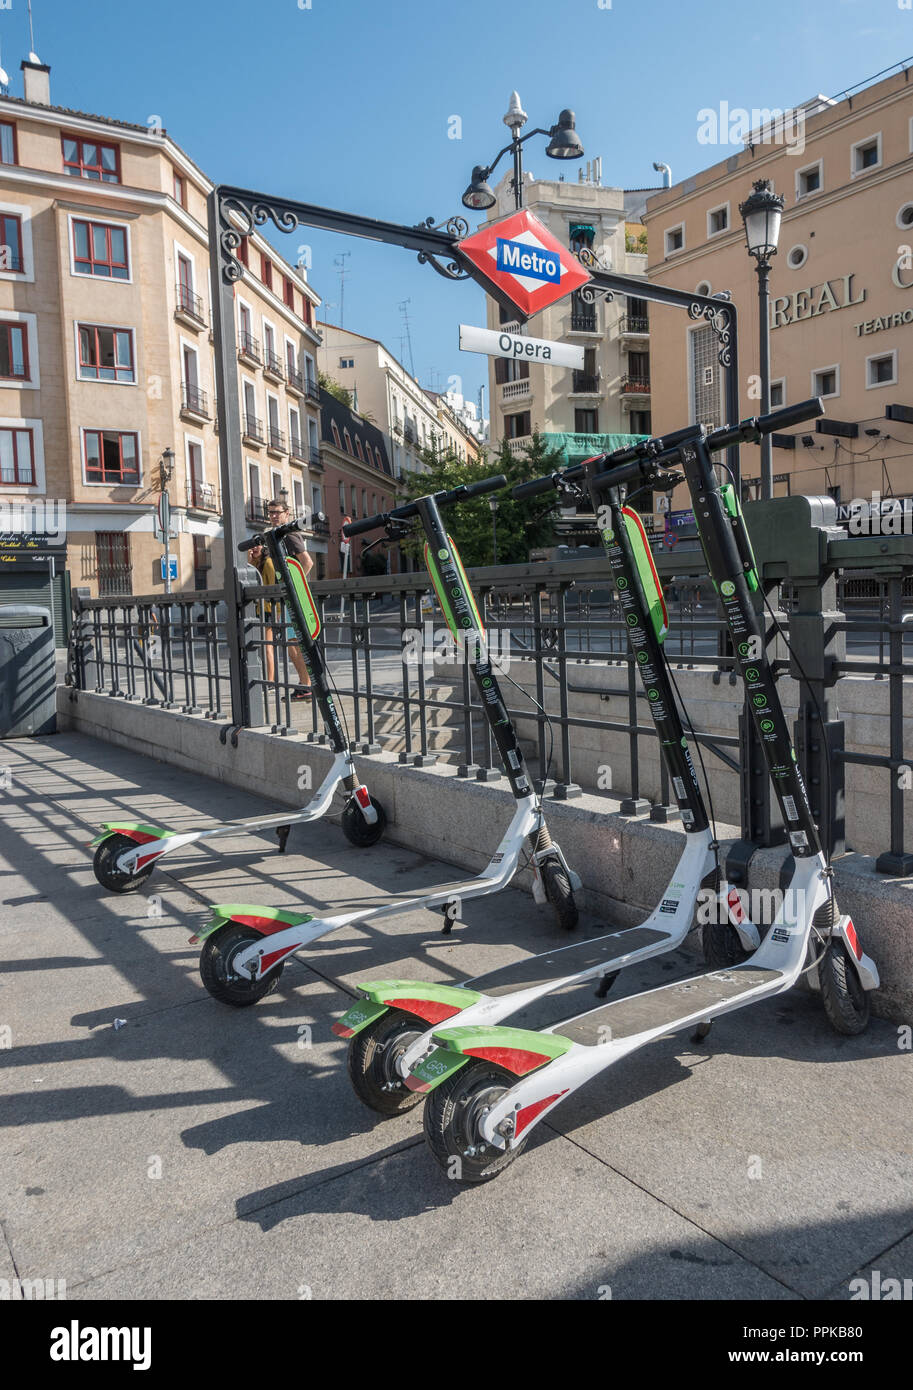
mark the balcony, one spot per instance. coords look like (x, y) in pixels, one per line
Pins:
(582, 322)
(516, 390)
(409, 434)
(312, 387)
(521, 443)
(635, 326)
(320, 528)
(294, 381)
(249, 350)
(194, 402)
(203, 497)
(188, 308)
(275, 443)
(272, 366)
(298, 450)
(315, 460)
(255, 509)
(585, 384)
(635, 386)
(252, 429)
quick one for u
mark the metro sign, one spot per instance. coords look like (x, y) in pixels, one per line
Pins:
(521, 259)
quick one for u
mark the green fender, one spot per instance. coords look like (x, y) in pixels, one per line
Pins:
(133, 829)
(433, 1003)
(266, 919)
(518, 1050)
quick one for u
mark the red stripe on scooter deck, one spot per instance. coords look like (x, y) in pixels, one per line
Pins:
(570, 960)
(663, 1007)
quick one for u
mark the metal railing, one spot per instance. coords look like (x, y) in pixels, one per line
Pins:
(276, 440)
(189, 303)
(585, 383)
(272, 364)
(561, 628)
(583, 323)
(203, 497)
(635, 385)
(194, 400)
(252, 427)
(249, 347)
(294, 380)
(312, 388)
(298, 449)
(635, 323)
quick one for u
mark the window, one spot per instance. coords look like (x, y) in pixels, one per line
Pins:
(865, 155)
(674, 238)
(288, 292)
(778, 393)
(358, 448)
(881, 370)
(904, 217)
(307, 316)
(266, 271)
(313, 437)
(342, 497)
(14, 351)
(243, 252)
(100, 249)
(10, 242)
(705, 378)
(251, 423)
(347, 361)
(348, 438)
(8, 153)
(112, 561)
(640, 422)
(291, 359)
(336, 439)
(809, 180)
(826, 381)
(89, 159)
(718, 220)
(17, 458)
(179, 189)
(517, 426)
(253, 489)
(316, 498)
(294, 431)
(354, 503)
(377, 457)
(310, 372)
(269, 341)
(245, 321)
(298, 495)
(105, 354)
(276, 485)
(364, 502)
(580, 235)
(111, 457)
(586, 421)
(796, 256)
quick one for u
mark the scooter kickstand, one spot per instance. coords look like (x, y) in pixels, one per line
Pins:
(282, 834)
(702, 1030)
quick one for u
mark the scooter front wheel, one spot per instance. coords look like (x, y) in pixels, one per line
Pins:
(106, 870)
(357, 830)
(845, 1002)
(217, 967)
(372, 1063)
(560, 894)
(453, 1114)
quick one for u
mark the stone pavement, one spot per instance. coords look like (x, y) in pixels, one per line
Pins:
(203, 1152)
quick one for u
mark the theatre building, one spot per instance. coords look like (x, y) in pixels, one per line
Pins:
(841, 310)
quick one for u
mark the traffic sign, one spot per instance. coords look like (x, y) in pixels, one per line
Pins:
(521, 260)
(172, 567)
(517, 345)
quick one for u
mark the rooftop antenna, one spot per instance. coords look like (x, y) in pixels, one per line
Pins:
(4, 82)
(404, 310)
(340, 261)
(33, 56)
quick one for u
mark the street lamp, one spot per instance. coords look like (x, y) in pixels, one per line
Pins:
(166, 472)
(761, 213)
(493, 503)
(563, 143)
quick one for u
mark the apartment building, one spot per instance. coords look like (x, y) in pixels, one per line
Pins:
(611, 393)
(106, 358)
(358, 482)
(841, 311)
(410, 418)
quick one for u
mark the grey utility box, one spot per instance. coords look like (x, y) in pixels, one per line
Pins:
(28, 672)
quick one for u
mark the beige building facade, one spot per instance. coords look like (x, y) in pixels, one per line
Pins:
(106, 356)
(611, 393)
(841, 313)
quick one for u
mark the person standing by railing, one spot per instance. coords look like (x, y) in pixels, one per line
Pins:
(279, 515)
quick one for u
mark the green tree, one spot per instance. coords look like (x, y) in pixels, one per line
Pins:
(521, 525)
(333, 388)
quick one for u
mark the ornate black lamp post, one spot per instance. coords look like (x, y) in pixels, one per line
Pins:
(761, 213)
(564, 143)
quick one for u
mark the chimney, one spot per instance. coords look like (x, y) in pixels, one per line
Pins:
(36, 80)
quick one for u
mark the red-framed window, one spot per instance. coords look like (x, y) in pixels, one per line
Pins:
(106, 354)
(14, 351)
(288, 291)
(100, 249)
(180, 189)
(306, 315)
(90, 159)
(336, 439)
(243, 252)
(359, 448)
(266, 271)
(291, 358)
(17, 458)
(9, 152)
(111, 456)
(348, 438)
(10, 241)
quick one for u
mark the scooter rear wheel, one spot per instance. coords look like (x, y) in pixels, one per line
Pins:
(845, 1002)
(216, 957)
(105, 861)
(357, 830)
(452, 1116)
(560, 894)
(371, 1061)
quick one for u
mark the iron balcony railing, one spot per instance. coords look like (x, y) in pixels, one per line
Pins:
(582, 322)
(294, 380)
(194, 400)
(249, 347)
(586, 383)
(272, 365)
(314, 457)
(252, 427)
(255, 509)
(635, 385)
(189, 303)
(312, 387)
(297, 449)
(203, 497)
(276, 440)
(635, 323)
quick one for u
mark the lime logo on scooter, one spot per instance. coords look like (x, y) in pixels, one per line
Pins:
(767, 726)
(759, 700)
(631, 620)
(621, 582)
(727, 588)
(752, 674)
(652, 694)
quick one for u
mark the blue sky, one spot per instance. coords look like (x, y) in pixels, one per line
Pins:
(347, 103)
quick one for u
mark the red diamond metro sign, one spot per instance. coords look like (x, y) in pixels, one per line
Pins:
(521, 259)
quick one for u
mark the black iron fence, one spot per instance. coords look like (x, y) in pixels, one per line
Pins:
(561, 630)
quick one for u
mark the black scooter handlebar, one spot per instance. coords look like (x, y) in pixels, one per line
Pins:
(410, 509)
(277, 531)
(751, 430)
